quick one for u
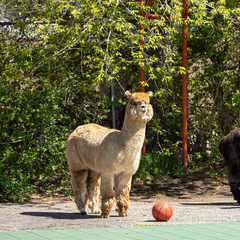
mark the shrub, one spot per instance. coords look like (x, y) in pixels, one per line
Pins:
(155, 163)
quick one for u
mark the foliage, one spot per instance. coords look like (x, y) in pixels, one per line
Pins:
(157, 164)
(56, 73)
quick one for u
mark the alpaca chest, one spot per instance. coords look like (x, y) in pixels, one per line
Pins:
(126, 160)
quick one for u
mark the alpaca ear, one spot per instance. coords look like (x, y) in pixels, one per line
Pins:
(128, 94)
(150, 94)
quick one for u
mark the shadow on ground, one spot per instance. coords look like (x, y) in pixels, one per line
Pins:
(60, 215)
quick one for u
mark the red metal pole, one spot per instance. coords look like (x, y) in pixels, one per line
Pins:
(141, 42)
(184, 64)
(149, 3)
(142, 76)
(184, 84)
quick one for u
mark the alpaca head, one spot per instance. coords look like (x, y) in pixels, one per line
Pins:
(139, 107)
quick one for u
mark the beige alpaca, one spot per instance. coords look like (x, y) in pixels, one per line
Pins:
(104, 160)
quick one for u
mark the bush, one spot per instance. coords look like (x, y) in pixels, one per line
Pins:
(156, 164)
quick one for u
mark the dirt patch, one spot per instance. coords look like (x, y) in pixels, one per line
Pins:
(195, 184)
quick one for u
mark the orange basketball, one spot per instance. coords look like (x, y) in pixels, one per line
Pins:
(162, 211)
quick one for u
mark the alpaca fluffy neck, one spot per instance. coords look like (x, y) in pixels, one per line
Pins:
(133, 133)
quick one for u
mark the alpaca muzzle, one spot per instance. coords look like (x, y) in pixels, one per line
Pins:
(143, 108)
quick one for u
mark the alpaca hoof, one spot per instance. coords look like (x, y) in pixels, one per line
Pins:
(97, 212)
(83, 213)
(105, 216)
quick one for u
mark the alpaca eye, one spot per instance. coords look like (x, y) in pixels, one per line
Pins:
(135, 104)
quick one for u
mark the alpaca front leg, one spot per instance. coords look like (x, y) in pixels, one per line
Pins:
(122, 188)
(93, 188)
(80, 189)
(108, 195)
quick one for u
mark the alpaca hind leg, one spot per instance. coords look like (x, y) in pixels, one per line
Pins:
(93, 188)
(234, 186)
(122, 188)
(234, 180)
(79, 179)
(108, 195)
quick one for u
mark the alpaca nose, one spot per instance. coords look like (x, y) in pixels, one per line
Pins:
(143, 108)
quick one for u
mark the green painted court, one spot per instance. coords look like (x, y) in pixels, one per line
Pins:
(211, 231)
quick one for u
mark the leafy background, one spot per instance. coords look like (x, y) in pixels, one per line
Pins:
(56, 73)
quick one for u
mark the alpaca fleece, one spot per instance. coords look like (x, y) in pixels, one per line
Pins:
(103, 160)
(230, 149)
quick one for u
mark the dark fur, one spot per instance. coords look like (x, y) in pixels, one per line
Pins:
(230, 149)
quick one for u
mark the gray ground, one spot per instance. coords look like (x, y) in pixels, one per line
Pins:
(62, 214)
(195, 199)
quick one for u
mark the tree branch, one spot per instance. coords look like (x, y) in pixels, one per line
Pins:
(62, 22)
(12, 142)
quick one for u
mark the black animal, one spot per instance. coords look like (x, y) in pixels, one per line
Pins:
(230, 149)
